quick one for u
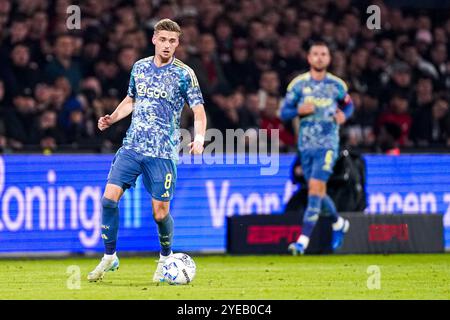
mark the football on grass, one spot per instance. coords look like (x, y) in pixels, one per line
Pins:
(179, 268)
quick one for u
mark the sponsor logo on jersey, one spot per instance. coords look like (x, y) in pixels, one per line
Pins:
(143, 90)
(319, 102)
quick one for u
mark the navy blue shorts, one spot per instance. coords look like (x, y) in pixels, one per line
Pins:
(159, 175)
(318, 163)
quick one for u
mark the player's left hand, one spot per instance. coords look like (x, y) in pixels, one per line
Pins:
(196, 147)
(339, 117)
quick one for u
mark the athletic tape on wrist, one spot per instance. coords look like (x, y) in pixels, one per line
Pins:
(199, 138)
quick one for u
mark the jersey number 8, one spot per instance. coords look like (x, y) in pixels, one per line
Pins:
(328, 160)
(168, 181)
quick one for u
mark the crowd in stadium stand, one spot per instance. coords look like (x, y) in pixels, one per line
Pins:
(55, 82)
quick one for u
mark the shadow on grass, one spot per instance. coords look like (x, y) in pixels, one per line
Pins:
(142, 285)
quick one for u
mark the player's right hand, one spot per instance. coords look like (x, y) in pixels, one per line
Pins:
(104, 122)
(306, 109)
(196, 147)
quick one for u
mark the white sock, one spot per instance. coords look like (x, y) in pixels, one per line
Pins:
(303, 240)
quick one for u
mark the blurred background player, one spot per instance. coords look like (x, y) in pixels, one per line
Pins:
(159, 87)
(323, 104)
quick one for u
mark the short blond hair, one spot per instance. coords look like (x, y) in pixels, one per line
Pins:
(167, 25)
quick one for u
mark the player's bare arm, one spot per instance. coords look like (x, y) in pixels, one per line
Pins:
(123, 109)
(339, 117)
(200, 129)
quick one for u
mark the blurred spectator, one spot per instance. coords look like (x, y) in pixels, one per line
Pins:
(337, 9)
(289, 60)
(270, 121)
(144, 10)
(19, 118)
(24, 74)
(239, 69)
(114, 36)
(358, 69)
(388, 139)
(226, 116)
(376, 75)
(77, 131)
(362, 123)
(38, 42)
(165, 9)
(244, 52)
(126, 57)
(304, 31)
(423, 96)
(19, 32)
(63, 63)
(126, 16)
(430, 124)
(210, 74)
(251, 115)
(398, 114)
(339, 64)
(400, 81)
(64, 102)
(45, 131)
(223, 32)
(44, 96)
(106, 71)
(423, 41)
(342, 39)
(269, 84)
(90, 54)
(262, 60)
(388, 51)
(419, 65)
(439, 59)
(256, 32)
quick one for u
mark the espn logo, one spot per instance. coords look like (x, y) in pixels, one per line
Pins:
(272, 234)
(387, 232)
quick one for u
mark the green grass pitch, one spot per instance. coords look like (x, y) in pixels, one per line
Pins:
(237, 277)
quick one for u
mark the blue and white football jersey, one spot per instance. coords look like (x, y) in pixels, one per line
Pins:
(159, 95)
(318, 130)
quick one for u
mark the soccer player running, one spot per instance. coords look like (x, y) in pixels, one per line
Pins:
(321, 101)
(159, 87)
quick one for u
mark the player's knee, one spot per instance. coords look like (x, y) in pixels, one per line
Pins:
(113, 192)
(109, 203)
(160, 215)
(314, 190)
(160, 211)
(317, 188)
